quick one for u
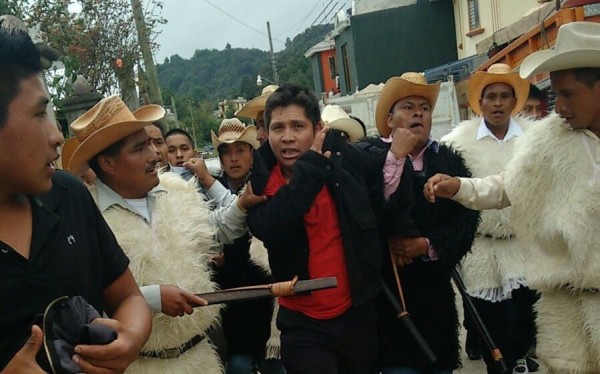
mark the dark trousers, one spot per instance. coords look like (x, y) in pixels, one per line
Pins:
(345, 344)
(510, 325)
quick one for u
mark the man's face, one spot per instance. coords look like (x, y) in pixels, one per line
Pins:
(578, 104)
(132, 172)
(291, 134)
(180, 149)
(28, 141)
(497, 103)
(533, 109)
(158, 141)
(261, 131)
(236, 159)
(412, 113)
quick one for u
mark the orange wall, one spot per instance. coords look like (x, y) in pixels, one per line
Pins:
(328, 83)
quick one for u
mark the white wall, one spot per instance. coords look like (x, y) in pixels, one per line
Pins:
(493, 15)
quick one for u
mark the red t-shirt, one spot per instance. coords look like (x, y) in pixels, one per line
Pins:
(326, 257)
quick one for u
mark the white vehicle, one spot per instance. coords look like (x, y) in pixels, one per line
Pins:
(362, 105)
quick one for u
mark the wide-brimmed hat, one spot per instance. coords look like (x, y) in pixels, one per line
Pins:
(497, 73)
(254, 106)
(66, 152)
(336, 118)
(104, 124)
(577, 46)
(397, 88)
(233, 130)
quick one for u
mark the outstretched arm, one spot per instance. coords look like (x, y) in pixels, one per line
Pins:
(473, 193)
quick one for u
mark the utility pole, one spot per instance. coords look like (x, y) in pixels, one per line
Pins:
(193, 127)
(140, 25)
(273, 62)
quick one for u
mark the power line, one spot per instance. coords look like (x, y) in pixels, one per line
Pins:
(241, 22)
(325, 17)
(320, 14)
(299, 24)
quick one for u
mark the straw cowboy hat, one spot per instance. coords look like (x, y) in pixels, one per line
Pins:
(67, 152)
(336, 118)
(233, 130)
(254, 106)
(397, 88)
(497, 73)
(577, 46)
(103, 125)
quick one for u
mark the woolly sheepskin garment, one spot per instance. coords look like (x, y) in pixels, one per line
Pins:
(493, 267)
(174, 249)
(553, 184)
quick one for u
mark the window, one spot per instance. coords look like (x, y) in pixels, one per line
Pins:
(332, 69)
(473, 9)
(346, 63)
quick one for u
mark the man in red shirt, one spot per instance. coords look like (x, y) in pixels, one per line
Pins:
(320, 221)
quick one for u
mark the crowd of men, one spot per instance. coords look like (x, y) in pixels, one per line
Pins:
(305, 194)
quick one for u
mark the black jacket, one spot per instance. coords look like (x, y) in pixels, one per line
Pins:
(247, 325)
(279, 222)
(428, 292)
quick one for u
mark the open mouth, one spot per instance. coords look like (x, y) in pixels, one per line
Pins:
(290, 153)
(415, 125)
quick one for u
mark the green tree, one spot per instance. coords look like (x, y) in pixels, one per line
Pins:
(98, 42)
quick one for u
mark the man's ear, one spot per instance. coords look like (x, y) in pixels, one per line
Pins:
(318, 126)
(107, 164)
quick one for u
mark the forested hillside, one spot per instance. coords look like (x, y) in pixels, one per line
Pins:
(212, 75)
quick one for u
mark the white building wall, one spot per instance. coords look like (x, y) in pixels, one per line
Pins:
(493, 15)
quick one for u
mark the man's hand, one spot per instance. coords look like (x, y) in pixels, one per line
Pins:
(24, 360)
(405, 249)
(403, 142)
(248, 199)
(317, 144)
(177, 302)
(110, 358)
(198, 167)
(441, 185)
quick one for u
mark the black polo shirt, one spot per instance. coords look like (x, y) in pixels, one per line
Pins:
(73, 252)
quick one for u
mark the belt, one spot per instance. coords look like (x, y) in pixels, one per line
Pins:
(173, 352)
(495, 237)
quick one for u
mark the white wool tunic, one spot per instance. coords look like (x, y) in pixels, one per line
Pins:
(553, 184)
(172, 250)
(495, 265)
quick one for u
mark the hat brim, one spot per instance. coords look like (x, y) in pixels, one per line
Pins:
(108, 135)
(350, 126)
(66, 153)
(396, 89)
(550, 60)
(253, 107)
(247, 136)
(480, 80)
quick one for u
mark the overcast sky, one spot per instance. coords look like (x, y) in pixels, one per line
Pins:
(198, 24)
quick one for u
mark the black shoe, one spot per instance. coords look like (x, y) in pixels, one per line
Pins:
(532, 366)
(473, 354)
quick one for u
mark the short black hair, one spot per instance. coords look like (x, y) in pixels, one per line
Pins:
(536, 93)
(159, 126)
(587, 76)
(289, 94)
(19, 59)
(362, 124)
(112, 150)
(179, 131)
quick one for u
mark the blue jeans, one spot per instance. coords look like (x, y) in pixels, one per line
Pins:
(246, 364)
(409, 370)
